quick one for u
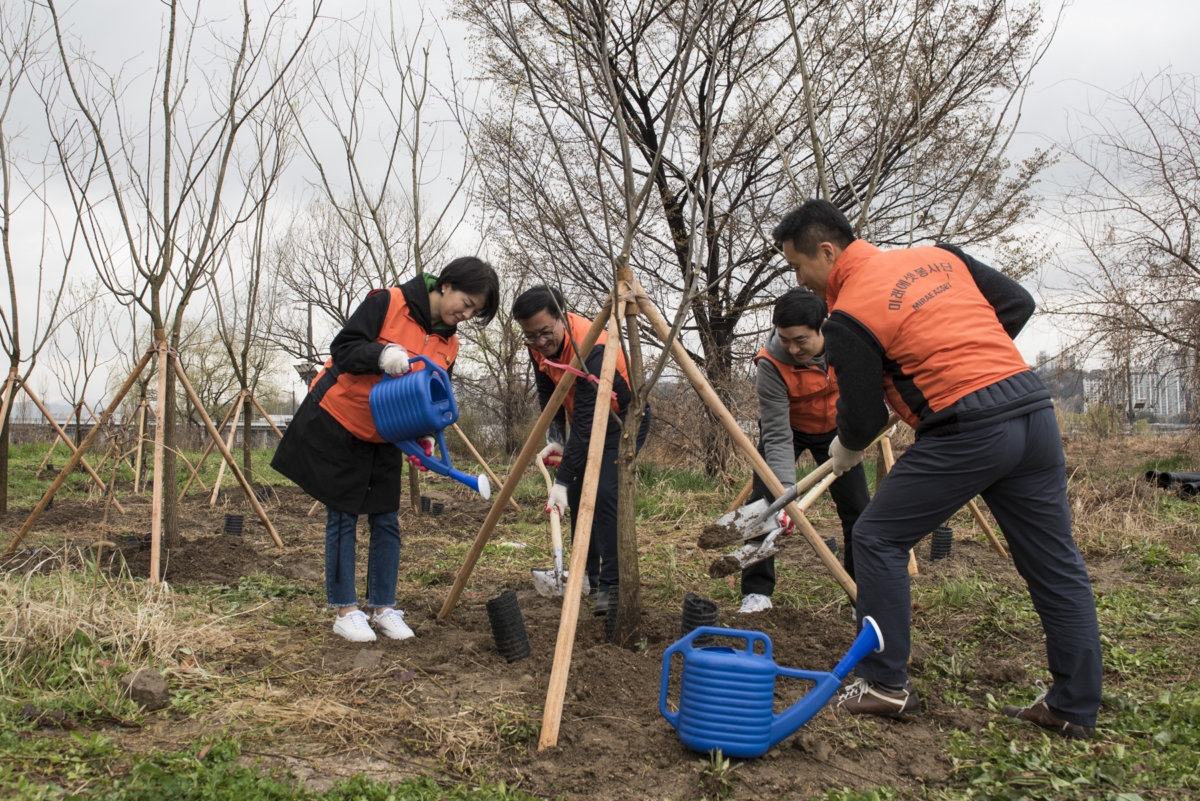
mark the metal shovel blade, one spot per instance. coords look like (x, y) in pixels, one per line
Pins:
(747, 555)
(551, 584)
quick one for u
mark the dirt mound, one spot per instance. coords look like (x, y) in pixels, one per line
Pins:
(218, 560)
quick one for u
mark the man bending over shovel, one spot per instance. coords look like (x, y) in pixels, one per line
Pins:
(797, 393)
(931, 329)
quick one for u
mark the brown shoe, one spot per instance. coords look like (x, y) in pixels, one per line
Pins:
(865, 698)
(1040, 714)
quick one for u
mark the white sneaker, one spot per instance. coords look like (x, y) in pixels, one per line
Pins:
(354, 626)
(392, 624)
(754, 602)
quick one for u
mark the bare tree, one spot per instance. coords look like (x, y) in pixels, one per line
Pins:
(1133, 215)
(171, 199)
(35, 275)
(78, 347)
(899, 113)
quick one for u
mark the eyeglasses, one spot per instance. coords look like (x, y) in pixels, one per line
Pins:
(539, 336)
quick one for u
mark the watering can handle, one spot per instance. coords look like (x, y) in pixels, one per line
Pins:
(677, 647)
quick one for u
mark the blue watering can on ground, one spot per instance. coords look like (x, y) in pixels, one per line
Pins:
(417, 404)
(726, 695)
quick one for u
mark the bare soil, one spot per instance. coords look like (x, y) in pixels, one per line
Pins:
(440, 703)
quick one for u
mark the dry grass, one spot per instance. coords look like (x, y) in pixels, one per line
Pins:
(1111, 515)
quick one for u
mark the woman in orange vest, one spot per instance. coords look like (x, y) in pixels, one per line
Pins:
(797, 396)
(333, 452)
(932, 329)
(550, 332)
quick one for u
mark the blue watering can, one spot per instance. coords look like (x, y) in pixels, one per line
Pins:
(417, 404)
(726, 695)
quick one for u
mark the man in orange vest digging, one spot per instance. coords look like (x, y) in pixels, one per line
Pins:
(931, 329)
(797, 396)
(551, 334)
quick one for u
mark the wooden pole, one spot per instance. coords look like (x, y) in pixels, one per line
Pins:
(741, 496)
(237, 471)
(137, 461)
(414, 488)
(557, 689)
(266, 416)
(523, 459)
(714, 404)
(160, 443)
(237, 415)
(73, 462)
(10, 386)
(312, 510)
(987, 529)
(92, 414)
(888, 458)
(62, 435)
(207, 450)
(482, 463)
(49, 453)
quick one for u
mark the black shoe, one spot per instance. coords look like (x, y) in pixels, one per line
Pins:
(601, 603)
(1039, 714)
(593, 593)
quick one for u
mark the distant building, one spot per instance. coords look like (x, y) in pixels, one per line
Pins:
(1064, 379)
(1158, 390)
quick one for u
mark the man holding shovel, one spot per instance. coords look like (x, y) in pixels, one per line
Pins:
(551, 334)
(797, 393)
(931, 330)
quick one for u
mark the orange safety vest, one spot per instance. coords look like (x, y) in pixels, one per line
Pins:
(812, 395)
(348, 401)
(941, 339)
(579, 328)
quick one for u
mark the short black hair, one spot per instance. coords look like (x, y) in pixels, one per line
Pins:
(475, 277)
(810, 224)
(799, 306)
(539, 298)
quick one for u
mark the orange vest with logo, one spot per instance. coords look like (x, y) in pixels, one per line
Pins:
(579, 328)
(348, 401)
(937, 331)
(812, 395)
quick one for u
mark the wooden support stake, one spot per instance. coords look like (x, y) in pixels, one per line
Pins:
(237, 471)
(207, 450)
(742, 496)
(62, 435)
(557, 689)
(266, 416)
(532, 446)
(482, 463)
(888, 458)
(137, 461)
(49, 453)
(717, 408)
(9, 394)
(73, 462)
(160, 443)
(237, 415)
(312, 510)
(987, 529)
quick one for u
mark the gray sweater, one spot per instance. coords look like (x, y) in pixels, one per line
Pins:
(774, 411)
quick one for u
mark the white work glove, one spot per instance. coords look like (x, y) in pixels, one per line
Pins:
(843, 458)
(784, 521)
(558, 499)
(426, 443)
(393, 360)
(551, 455)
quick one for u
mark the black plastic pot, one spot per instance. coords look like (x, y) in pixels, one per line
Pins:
(425, 504)
(233, 524)
(697, 612)
(134, 541)
(264, 494)
(941, 543)
(437, 508)
(610, 617)
(508, 626)
(831, 544)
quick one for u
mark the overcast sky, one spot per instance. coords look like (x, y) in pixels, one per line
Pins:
(1101, 46)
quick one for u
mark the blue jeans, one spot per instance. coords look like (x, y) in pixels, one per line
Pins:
(383, 559)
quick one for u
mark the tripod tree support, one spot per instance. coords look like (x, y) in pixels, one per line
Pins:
(237, 416)
(987, 529)
(207, 450)
(713, 401)
(237, 472)
(482, 463)
(73, 462)
(887, 458)
(137, 460)
(160, 442)
(62, 435)
(557, 689)
(523, 460)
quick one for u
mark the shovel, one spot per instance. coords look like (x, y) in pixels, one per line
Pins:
(550, 583)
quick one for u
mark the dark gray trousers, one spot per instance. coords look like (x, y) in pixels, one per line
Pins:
(1018, 468)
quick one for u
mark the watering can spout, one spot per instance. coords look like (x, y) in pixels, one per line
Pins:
(826, 684)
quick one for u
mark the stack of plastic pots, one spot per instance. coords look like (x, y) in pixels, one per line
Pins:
(425, 504)
(233, 524)
(610, 617)
(508, 626)
(831, 544)
(697, 612)
(436, 508)
(941, 543)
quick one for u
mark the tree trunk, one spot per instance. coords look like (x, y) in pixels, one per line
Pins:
(247, 410)
(171, 535)
(629, 602)
(4, 436)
